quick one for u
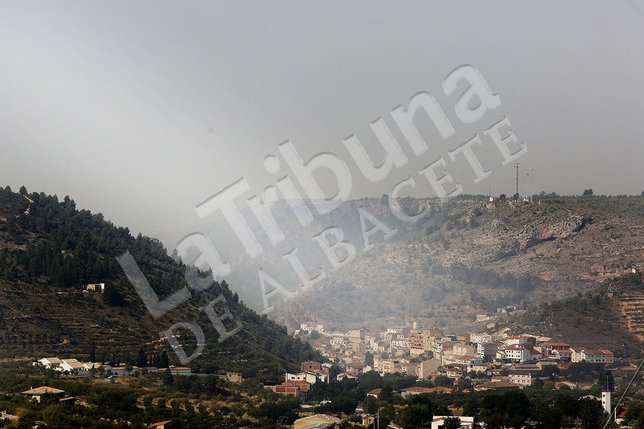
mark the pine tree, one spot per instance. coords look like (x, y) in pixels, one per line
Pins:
(163, 362)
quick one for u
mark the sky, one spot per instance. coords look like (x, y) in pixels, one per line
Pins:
(144, 110)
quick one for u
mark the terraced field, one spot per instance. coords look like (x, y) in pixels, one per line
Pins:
(632, 306)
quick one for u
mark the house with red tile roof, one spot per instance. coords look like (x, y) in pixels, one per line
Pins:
(374, 393)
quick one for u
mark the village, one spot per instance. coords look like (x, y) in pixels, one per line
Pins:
(491, 362)
(437, 362)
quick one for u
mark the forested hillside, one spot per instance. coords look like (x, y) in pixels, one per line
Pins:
(49, 251)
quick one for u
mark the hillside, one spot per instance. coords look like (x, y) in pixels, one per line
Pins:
(49, 251)
(471, 256)
(611, 316)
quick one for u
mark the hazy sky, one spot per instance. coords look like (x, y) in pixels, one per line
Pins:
(142, 110)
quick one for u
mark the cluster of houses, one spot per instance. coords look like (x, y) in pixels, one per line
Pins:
(299, 384)
(319, 421)
(84, 369)
(510, 361)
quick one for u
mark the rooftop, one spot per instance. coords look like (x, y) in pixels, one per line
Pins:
(42, 390)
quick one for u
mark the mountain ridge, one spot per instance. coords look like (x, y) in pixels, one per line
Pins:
(462, 259)
(50, 251)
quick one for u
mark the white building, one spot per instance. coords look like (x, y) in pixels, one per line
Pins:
(313, 326)
(96, 287)
(515, 353)
(593, 356)
(309, 377)
(481, 338)
(565, 354)
(74, 366)
(518, 340)
(523, 378)
(399, 344)
(49, 363)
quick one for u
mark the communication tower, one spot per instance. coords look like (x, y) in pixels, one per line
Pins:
(517, 180)
(529, 188)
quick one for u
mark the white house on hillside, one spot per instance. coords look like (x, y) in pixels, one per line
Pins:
(96, 287)
(308, 376)
(73, 365)
(49, 363)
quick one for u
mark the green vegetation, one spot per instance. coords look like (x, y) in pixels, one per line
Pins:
(593, 320)
(198, 402)
(143, 401)
(49, 251)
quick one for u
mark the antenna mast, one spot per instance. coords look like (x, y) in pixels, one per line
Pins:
(517, 179)
(528, 185)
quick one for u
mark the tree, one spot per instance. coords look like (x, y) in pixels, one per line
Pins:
(53, 415)
(386, 393)
(142, 359)
(463, 384)
(111, 296)
(344, 404)
(370, 405)
(49, 399)
(606, 380)
(418, 413)
(591, 413)
(167, 378)
(509, 409)
(444, 381)
(452, 423)
(368, 359)
(163, 361)
(175, 405)
(639, 424)
(370, 380)
(415, 415)
(549, 417)
(503, 198)
(92, 352)
(387, 415)
(471, 408)
(634, 410)
(588, 192)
